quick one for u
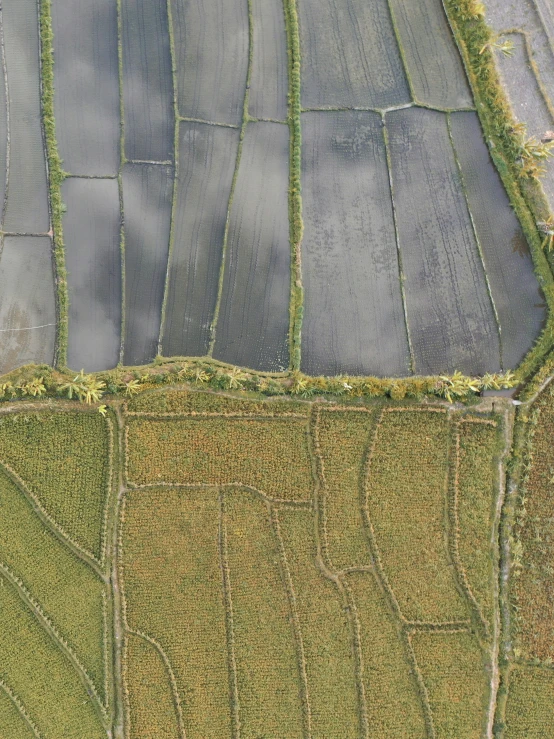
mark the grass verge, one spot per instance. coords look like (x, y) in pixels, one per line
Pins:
(55, 177)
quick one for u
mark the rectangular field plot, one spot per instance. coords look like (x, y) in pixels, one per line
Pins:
(151, 704)
(147, 201)
(64, 461)
(456, 683)
(353, 312)
(406, 502)
(344, 439)
(253, 322)
(185, 402)
(450, 313)
(350, 57)
(93, 259)
(173, 586)
(269, 80)
(68, 591)
(515, 290)
(27, 302)
(475, 503)
(207, 161)
(267, 664)
(13, 722)
(41, 676)
(530, 704)
(393, 706)
(27, 202)
(533, 590)
(325, 632)
(86, 82)
(211, 44)
(270, 455)
(433, 62)
(147, 80)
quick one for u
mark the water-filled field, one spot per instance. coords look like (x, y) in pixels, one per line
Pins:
(274, 193)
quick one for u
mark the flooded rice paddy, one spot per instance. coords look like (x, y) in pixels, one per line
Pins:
(178, 127)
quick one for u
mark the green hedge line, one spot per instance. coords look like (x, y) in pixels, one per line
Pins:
(295, 185)
(42, 380)
(55, 175)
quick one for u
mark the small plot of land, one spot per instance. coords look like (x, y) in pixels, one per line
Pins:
(92, 227)
(253, 315)
(147, 198)
(249, 578)
(87, 115)
(27, 302)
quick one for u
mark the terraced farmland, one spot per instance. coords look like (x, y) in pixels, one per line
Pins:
(199, 589)
(297, 185)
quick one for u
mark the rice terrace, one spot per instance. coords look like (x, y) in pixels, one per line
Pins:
(277, 350)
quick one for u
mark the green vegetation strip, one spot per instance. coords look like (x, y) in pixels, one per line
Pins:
(295, 187)
(55, 176)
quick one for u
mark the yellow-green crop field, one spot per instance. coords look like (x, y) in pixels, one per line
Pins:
(192, 565)
(529, 677)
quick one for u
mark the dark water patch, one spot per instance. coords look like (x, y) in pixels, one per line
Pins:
(269, 83)
(147, 199)
(27, 302)
(506, 254)
(211, 44)
(27, 204)
(353, 314)
(147, 80)
(253, 323)
(207, 156)
(349, 55)
(434, 64)
(450, 314)
(86, 84)
(93, 259)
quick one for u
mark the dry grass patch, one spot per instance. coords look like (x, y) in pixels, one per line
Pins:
(533, 589)
(394, 708)
(476, 499)
(326, 633)
(67, 590)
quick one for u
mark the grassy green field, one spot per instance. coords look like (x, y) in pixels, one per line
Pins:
(196, 564)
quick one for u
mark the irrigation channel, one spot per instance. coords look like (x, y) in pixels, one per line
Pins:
(302, 186)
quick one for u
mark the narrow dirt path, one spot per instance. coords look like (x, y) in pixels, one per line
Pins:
(507, 410)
